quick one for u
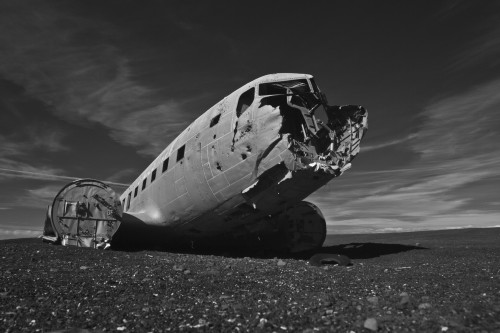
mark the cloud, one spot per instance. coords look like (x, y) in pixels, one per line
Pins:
(457, 145)
(387, 143)
(46, 174)
(152, 128)
(11, 168)
(76, 66)
(18, 233)
(126, 175)
(485, 48)
(27, 139)
(466, 124)
(39, 197)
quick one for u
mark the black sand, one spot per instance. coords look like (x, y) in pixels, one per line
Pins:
(420, 282)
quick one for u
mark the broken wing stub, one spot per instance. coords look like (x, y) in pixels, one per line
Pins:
(85, 213)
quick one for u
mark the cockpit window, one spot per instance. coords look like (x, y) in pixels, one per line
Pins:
(246, 99)
(281, 87)
(314, 85)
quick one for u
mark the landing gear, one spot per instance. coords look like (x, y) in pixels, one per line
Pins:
(302, 227)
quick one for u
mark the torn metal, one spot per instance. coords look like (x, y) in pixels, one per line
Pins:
(297, 153)
(85, 213)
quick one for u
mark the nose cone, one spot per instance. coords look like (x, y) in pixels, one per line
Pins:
(338, 142)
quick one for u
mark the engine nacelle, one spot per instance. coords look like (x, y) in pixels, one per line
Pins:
(302, 227)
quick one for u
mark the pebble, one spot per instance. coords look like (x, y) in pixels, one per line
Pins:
(372, 300)
(424, 306)
(405, 298)
(371, 324)
(298, 294)
(262, 322)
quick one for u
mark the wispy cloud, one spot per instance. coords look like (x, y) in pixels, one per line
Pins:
(39, 197)
(18, 233)
(484, 48)
(75, 67)
(11, 168)
(387, 143)
(123, 176)
(33, 137)
(47, 175)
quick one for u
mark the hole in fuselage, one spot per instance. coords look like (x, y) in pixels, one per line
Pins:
(293, 121)
(244, 156)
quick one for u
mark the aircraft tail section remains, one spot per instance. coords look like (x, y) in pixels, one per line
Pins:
(85, 213)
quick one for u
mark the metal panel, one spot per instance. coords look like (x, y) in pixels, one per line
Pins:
(218, 183)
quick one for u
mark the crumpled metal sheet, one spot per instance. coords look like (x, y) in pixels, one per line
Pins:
(85, 213)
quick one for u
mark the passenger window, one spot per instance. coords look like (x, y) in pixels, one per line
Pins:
(214, 120)
(246, 99)
(144, 183)
(180, 153)
(128, 199)
(165, 165)
(135, 191)
(153, 175)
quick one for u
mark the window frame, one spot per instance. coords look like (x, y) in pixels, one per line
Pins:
(165, 165)
(181, 152)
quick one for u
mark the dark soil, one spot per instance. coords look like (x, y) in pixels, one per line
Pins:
(419, 282)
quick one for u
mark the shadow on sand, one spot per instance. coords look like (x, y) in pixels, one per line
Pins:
(131, 238)
(352, 250)
(368, 250)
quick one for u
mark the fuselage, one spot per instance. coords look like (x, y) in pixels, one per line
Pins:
(257, 151)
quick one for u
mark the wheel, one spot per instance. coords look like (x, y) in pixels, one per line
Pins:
(303, 227)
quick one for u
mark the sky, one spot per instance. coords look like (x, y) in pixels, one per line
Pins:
(96, 89)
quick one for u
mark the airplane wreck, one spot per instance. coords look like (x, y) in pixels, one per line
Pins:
(239, 172)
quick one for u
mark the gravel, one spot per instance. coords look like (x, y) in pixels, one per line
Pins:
(449, 282)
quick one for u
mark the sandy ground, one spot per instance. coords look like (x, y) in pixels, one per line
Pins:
(439, 281)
